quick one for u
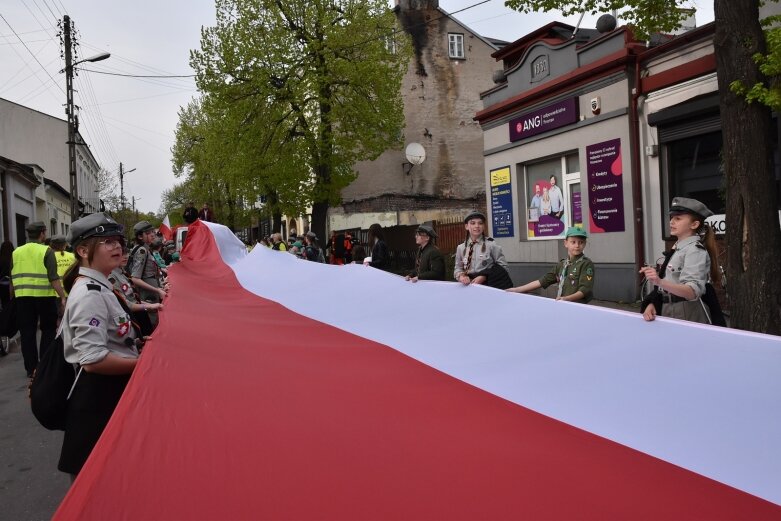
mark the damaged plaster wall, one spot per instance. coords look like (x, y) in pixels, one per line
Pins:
(441, 96)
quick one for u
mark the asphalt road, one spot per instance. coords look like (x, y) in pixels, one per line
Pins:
(31, 487)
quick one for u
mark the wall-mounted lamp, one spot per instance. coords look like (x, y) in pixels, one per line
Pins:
(416, 154)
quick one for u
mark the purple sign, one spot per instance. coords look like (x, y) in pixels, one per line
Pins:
(542, 120)
(605, 187)
(546, 226)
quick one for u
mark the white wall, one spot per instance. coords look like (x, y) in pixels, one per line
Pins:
(31, 137)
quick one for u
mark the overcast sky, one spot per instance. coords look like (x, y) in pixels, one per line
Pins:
(132, 120)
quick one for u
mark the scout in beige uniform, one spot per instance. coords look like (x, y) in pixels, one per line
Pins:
(145, 272)
(574, 275)
(98, 336)
(479, 260)
(681, 284)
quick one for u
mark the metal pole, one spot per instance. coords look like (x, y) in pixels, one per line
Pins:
(74, 195)
(122, 186)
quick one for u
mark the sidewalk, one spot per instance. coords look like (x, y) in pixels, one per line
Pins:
(31, 487)
(625, 306)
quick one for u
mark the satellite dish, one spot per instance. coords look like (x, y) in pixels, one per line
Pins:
(416, 154)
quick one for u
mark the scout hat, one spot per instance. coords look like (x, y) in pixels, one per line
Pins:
(473, 215)
(692, 206)
(428, 230)
(574, 231)
(59, 239)
(141, 227)
(94, 225)
(36, 227)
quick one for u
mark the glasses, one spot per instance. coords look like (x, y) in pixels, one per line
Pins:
(113, 242)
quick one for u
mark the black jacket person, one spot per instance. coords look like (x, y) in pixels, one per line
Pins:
(429, 262)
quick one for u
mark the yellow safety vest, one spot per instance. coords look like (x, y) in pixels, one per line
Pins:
(65, 260)
(29, 275)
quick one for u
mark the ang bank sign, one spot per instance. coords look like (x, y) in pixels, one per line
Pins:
(553, 116)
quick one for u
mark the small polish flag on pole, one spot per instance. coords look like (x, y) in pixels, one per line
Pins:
(165, 229)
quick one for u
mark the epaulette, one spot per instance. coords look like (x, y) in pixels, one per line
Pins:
(141, 250)
(93, 287)
(700, 245)
(489, 239)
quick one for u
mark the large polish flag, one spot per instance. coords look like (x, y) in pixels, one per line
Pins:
(277, 388)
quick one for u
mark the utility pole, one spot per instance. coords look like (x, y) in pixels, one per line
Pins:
(70, 110)
(72, 123)
(121, 186)
(122, 183)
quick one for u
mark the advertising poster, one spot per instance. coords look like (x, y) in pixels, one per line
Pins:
(605, 187)
(502, 202)
(547, 208)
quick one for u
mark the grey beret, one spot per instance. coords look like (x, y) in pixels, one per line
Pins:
(686, 205)
(94, 225)
(141, 227)
(428, 230)
(474, 214)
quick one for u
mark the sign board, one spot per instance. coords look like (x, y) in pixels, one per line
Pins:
(502, 202)
(605, 187)
(719, 222)
(553, 116)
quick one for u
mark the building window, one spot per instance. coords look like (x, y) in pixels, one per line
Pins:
(553, 195)
(390, 44)
(694, 169)
(455, 43)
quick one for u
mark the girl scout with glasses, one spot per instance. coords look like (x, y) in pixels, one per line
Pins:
(98, 337)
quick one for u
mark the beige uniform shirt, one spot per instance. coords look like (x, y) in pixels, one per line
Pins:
(94, 323)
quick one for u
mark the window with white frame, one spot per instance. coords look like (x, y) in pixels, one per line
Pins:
(455, 43)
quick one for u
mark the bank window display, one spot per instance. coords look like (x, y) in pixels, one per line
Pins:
(550, 205)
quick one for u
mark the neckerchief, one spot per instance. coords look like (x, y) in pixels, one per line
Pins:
(562, 276)
(468, 258)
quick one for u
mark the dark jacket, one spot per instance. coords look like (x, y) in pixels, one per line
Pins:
(380, 256)
(190, 214)
(429, 264)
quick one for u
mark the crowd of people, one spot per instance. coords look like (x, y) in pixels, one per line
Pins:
(99, 297)
(682, 283)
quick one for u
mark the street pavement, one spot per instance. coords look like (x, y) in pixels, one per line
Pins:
(31, 487)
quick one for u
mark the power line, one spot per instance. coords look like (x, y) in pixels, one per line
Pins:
(145, 97)
(31, 54)
(28, 32)
(141, 75)
(47, 7)
(28, 41)
(133, 63)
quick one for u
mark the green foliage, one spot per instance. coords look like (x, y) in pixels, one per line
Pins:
(645, 16)
(769, 92)
(294, 93)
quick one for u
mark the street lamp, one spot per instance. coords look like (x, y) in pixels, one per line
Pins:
(122, 183)
(72, 123)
